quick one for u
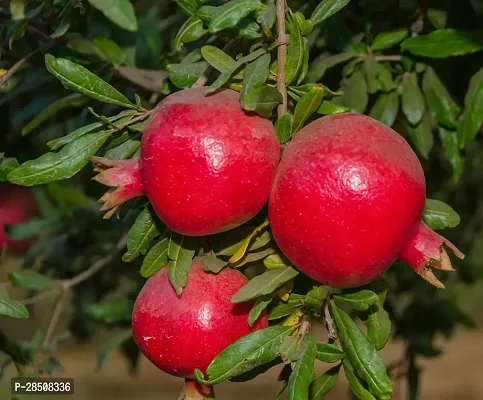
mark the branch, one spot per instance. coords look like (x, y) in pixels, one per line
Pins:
(54, 320)
(329, 322)
(281, 57)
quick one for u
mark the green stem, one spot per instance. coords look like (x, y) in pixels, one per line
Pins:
(194, 390)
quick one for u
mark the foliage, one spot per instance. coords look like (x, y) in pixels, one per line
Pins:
(80, 78)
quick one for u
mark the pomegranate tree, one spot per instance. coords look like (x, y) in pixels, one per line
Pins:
(179, 334)
(205, 165)
(17, 206)
(347, 202)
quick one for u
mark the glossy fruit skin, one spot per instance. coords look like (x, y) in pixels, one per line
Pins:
(17, 206)
(181, 333)
(206, 165)
(347, 198)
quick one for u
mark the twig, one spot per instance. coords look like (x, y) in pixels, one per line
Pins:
(395, 58)
(281, 57)
(54, 320)
(43, 36)
(329, 322)
(22, 61)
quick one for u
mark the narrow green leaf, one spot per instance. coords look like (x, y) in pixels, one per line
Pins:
(268, 18)
(319, 66)
(248, 352)
(264, 284)
(214, 264)
(445, 43)
(232, 12)
(191, 30)
(356, 385)
(30, 280)
(303, 372)
(283, 128)
(324, 383)
(17, 9)
(315, 297)
(386, 108)
(284, 309)
(378, 326)
(75, 77)
(329, 353)
(189, 7)
(361, 354)
(475, 80)
(260, 306)
(185, 75)
(305, 62)
(412, 100)
(31, 228)
(156, 258)
(439, 215)
(470, 122)
(308, 104)
(360, 300)
(111, 345)
(385, 40)
(120, 12)
(123, 151)
(449, 140)
(7, 165)
(442, 106)
(110, 50)
(11, 308)
(295, 55)
(255, 75)
(330, 108)
(421, 135)
(179, 264)
(51, 167)
(438, 17)
(274, 261)
(326, 9)
(290, 349)
(235, 238)
(355, 93)
(139, 237)
(112, 310)
(217, 58)
(262, 100)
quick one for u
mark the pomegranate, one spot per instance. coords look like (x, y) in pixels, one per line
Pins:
(204, 164)
(347, 202)
(17, 206)
(181, 333)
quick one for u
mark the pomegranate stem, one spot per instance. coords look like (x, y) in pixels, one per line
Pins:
(194, 390)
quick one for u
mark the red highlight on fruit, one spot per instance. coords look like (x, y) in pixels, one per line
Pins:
(205, 165)
(17, 206)
(181, 333)
(347, 202)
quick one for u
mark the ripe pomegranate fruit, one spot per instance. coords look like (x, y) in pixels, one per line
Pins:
(205, 165)
(181, 333)
(17, 206)
(347, 202)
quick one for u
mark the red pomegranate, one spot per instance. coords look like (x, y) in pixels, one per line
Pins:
(17, 206)
(205, 165)
(181, 333)
(347, 202)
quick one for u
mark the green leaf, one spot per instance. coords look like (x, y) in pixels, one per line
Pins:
(442, 106)
(156, 258)
(412, 100)
(245, 243)
(329, 353)
(189, 7)
(73, 100)
(421, 135)
(324, 383)
(232, 12)
(17, 9)
(475, 80)
(240, 235)
(260, 305)
(437, 17)
(295, 55)
(326, 9)
(330, 108)
(111, 345)
(303, 372)
(254, 76)
(360, 300)
(139, 237)
(75, 77)
(386, 108)
(248, 352)
(7, 165)
(361, 354)
(30, 280)
(31, 228)
(355, 93)
(274, 261)
(315, 297)
(268, 18)
(445, 43)
(449, 140)
(439, 215)
(179, 264)
(191, 30)
(185, 75)
(470, 122)
(386, 40)
(284, 309)
(305, 62)
(262, 100)
(11, 308)
(218, 59)
(290, 349)
(110, 50)
(265, 283)
(378, 326)
(319, 67)
(214, 264)
(111, 310)
(51, 167)
(308, 104)
(120, 12)
(356, 385)
(124, 150)
(226, 75)
(283, 128)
